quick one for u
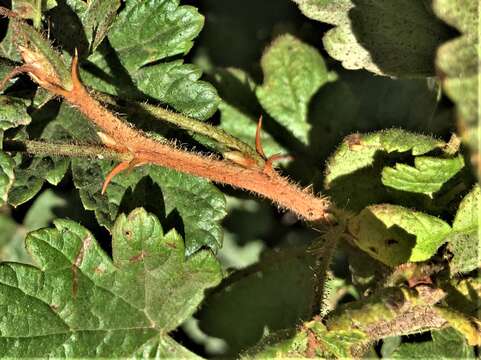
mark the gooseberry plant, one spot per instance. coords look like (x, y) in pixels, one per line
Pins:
(129, 226)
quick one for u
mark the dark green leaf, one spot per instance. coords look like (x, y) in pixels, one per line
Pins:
(79, 303)
(143, 34)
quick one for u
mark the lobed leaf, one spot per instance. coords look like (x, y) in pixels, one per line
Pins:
(293, 73)
(79, 303)
(386, 37)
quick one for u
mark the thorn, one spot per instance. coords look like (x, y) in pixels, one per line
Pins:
(116, 170)
(124, 165)
(270, 161)
(74, 71)
(259, 147)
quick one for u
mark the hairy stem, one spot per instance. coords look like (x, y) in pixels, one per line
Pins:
(187, 123)
(121, 137)
(43, 148)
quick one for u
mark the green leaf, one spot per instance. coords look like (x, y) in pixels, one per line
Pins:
(395, 235)
(283, 288)
(357, 151)
(464, 242)
(239, 109)
(445, 344)
(458, 62)
(358, 162)
(192, 205)
(97, 17)
(13, 112)
(293, 73)
(386, 37)
(133, 64)
(7, 176)
(426, 177)
(40, 214)
(80, 303)
(30, 174)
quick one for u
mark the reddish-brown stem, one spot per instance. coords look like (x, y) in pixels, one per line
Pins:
(125, 139)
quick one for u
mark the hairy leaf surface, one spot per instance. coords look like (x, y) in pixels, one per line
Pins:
(459, 62)
(386, 37)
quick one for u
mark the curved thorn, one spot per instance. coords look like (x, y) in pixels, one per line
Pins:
(270, 161)
(116, 170)
(259, 148)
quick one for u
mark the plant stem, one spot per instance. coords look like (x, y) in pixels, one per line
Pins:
(187, 123)
(71, 150)
(37, 20)
(123, 138)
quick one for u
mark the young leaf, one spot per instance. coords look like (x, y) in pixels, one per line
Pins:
(80, 303)
(293, 72)
(426, 177)
(386, 37)
(357, 151)
(445, 344)
(133, 59)
(394, 235)
(458, 61)
(464, 242)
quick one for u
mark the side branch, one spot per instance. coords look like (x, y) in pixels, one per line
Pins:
(123, 138)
